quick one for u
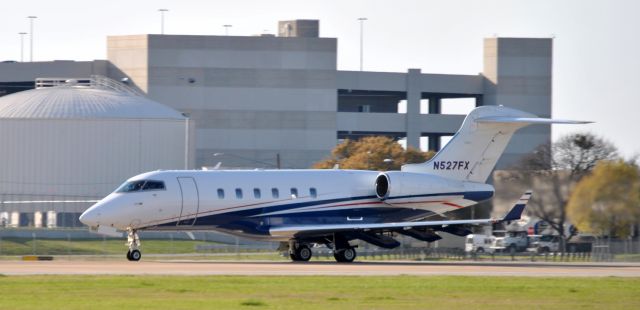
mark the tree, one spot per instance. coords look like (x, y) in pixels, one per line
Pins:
(372, 153)
(607, 202)
(562, 165)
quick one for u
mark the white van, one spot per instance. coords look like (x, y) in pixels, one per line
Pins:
(478, 244)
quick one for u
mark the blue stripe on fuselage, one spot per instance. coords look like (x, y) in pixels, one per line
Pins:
(253, 222)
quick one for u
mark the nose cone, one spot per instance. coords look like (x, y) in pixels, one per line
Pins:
(91, 217)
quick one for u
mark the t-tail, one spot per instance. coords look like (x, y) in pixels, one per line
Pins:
(475, 149)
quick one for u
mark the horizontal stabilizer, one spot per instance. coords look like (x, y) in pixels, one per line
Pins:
(518, 208)
(526, 120)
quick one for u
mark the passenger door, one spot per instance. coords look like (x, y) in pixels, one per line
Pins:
(190, 201)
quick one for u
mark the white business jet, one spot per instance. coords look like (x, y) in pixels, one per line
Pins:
(302, 208)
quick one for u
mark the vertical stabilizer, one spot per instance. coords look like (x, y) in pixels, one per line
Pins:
(475, 149)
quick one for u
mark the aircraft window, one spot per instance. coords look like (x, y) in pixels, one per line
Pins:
(256, 193)
(220, 193)
(239, 193)
(294, 192)
(132, 186)
(274, 193)
(313, 193)
(153, 185)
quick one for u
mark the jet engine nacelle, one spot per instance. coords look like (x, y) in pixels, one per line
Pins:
(394, 184)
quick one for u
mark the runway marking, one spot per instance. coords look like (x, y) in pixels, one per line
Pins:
(160, 267)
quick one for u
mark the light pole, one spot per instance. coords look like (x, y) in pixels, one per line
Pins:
(31, 18)
(361, 19)
(22, 45)
(226, 29)
(162, 11)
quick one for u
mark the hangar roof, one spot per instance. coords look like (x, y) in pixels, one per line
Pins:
(82, 102)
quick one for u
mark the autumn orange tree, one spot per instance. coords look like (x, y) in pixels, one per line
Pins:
(372, 153)
(607, 202)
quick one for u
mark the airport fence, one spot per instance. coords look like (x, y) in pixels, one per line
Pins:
(80, 242)
(624, 250)
(74, 242)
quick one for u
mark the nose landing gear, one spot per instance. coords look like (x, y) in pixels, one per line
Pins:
(133, 242)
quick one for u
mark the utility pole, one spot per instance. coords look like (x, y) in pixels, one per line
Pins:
(162, 11)
(22, 45)
(361, 19)
(31, 18)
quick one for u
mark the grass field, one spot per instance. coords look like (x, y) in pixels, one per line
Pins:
(317, 292)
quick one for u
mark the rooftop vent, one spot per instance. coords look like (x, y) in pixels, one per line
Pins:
(302, 28)
(94, 81)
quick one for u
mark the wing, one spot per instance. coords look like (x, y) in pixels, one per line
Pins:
(293, 231)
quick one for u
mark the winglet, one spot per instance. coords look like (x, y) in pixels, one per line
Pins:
(516, 212)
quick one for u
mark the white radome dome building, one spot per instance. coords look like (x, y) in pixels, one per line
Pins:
(68, 141)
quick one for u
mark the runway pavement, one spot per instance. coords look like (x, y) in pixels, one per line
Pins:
(160, 267)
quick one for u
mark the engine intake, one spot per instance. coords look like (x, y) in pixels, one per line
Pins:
(382, 186)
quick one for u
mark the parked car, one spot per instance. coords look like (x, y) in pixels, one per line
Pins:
(479, 244)
(546, 244)
(512, 242)
(551, 244)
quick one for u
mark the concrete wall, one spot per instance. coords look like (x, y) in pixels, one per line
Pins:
(518, 74)
(394, 122)
(252, 97)
(29, 71)
(128, 57)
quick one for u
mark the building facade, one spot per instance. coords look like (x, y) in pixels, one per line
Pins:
(257, 99)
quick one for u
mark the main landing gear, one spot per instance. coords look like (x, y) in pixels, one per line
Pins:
(345, 255)
(343, 252)
(133, 242)
(299, 252)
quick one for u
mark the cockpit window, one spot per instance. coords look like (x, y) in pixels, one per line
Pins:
(132, 186)
(153, 185)
(140, 185)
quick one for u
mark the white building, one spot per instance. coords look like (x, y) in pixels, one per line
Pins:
(66, 143)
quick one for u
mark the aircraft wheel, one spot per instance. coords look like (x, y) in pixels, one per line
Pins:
(135, 255)
(345, 255)
(304, 253)
(301, 254)
(129, 255)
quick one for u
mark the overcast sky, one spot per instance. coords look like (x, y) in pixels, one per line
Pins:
(596, 45)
